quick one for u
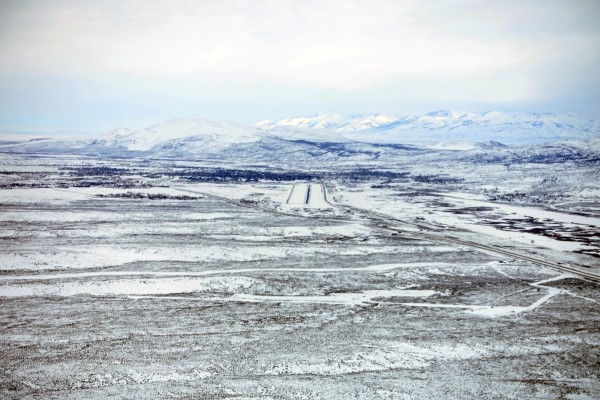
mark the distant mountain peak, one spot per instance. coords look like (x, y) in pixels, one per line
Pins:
(311, 121)
(117, 132)
(211, 131)
(440, 130)
(332, 122)
(446, 126)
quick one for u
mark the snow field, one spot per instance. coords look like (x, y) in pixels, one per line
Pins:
(108, 284)
(85, 257)
(425, 208)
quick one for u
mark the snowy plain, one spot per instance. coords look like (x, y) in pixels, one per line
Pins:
(145, 285)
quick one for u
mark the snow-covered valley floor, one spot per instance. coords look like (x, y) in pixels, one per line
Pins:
(170, 291)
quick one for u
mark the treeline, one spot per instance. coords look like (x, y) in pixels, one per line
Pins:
(435, 179)
(242, 175)
(148, 196)
(526, 198)
(543, 156)
(239, 175)
(235, 175)
(96, 171)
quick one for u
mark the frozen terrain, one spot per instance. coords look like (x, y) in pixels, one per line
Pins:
(193, 279)
(322, 136)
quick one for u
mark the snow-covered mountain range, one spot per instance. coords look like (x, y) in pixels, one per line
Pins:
(447, 125)
(323, 135)
(208, 132)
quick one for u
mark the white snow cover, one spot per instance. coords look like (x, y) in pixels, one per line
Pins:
(311, 135)
(384, 356)
(368, 199)
(132, 287)
(179, 128)
(331, 122)
(448, 125)
(454, 145)
(453, 128)
(81, 257)
(350, 230)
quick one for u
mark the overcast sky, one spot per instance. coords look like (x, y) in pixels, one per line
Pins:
(95, 65)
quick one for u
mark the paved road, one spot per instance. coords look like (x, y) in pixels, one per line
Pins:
(307, 195)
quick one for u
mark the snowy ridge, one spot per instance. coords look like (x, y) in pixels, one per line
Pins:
(331, 137)
(332, 122)
(447, 125)
(116, 133)
(198, 132)
(462, 145)
(309, 135)
(179, 128)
